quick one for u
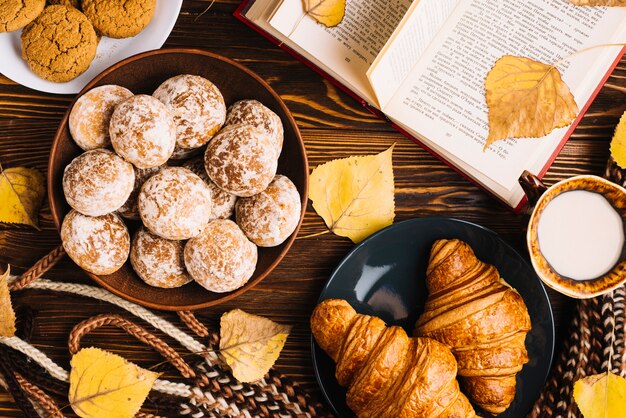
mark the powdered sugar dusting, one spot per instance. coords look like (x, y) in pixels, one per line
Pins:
(241, 160)
(142, 131)
(129, 209)
(271, 216)
(175, 203)
(99, 245)
(221, 259)
(97, 182)
(91, 114)
(158, 261)
(197, 106)
(223, 202)
(255, 113)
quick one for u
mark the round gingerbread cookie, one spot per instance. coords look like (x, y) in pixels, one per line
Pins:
(99, 244)
(158, 261)
(255, 113)
(91, 114)
(198, 108)
(221, 259)
(142, 131)
(129, 209)
(73, 3)
(60, 44)
(223, 202)
(241, 160)
(119, 19)
(175, 203)
(270, 217)
(97, 182)
(15, 14)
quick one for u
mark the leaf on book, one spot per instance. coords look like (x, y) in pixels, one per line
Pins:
(327, 12)
(601, 396)
(599, 2)
(618, 144)
(250, 344)
(7, 316)
(355, 195)
(526, 99)
(21, 193)
(105, 385)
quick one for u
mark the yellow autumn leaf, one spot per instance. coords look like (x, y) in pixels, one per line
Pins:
(21, 193)
(526, 99)
(105, 385)
(601, 396)
(617, 3)
(250, 344)
(327, 12)
(618, 144)
(354, 195)
(7, 316)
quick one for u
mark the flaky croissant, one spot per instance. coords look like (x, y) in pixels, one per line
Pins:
(387, 373)
(472, 310)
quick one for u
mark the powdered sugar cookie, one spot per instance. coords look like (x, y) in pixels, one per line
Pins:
(255, 113)
(97, 182)
(158, 261)
(99, 244)
(175, 203)
(270, 217)
(91, 114)
(198, 108)
(142, 131)
(241, 160)
(221, 259)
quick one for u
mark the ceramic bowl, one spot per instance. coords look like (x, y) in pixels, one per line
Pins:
(143, 73)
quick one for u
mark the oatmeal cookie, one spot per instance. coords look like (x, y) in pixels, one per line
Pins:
(119, 19)
(60, 44)
(15, 14)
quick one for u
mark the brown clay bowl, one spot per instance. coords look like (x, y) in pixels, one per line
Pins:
(142, 74)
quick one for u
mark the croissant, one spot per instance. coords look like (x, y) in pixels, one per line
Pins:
(484, 321)
(387, 373)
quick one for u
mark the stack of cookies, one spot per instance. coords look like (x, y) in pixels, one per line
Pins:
(59, 41)
(195, 217)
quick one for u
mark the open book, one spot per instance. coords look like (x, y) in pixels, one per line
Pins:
(423, 64)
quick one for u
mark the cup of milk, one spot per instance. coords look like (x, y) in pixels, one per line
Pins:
(576, 234)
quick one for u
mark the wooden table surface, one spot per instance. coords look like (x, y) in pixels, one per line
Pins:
(333, 125)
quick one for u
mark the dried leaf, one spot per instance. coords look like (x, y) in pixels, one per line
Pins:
(104, 385)
(250, 344)
(601, 396)
(21, 193)
(327, 12)
(7, 316)
(618, 144)
(354, 195)
(615, 3)
(526, 99)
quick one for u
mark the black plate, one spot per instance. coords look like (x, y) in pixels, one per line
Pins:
(385, 276)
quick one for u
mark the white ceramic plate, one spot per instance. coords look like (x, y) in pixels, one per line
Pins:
(110, 51)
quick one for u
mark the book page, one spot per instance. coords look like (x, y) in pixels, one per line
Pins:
(443, 98)
(405, 46)
(348, 48)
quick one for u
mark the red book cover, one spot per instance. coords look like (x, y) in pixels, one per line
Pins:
(240, 15)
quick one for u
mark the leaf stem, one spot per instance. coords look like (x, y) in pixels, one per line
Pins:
(573, 54)
(317, 234)
(204, 11)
